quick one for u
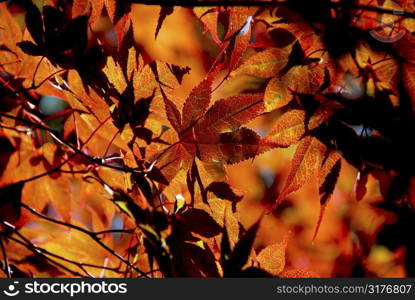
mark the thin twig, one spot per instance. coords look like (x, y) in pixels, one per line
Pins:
(7, 269)
(36, 251)
(54, 134)
(114, 231)
(92, 235)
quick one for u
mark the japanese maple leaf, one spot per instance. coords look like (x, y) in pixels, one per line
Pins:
(312, 157)
(297, 67)
(212, 134)
(238, 32)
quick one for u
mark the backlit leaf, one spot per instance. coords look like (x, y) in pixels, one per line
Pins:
(228, 114)
(272, 258)
(209, 18)
(198, 101)
(295, 124)
(80, 7)
(328, 175)
(265, 64)
(305, 163)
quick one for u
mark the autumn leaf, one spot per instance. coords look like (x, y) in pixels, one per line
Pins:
(200, 222)
(272, 258)
(240, 23)
(224, 191)
(306, 160)
(239, 256)
(215, 134)
(299, 273)
(360, 184)
(144, 162)
(209, 18)
(198, 101)
(173, 113)
(222, 212)
(164, 12)
(265, 64)
(97, 7)
(229, 114)
(328, 176)
(80, 7)
(299, 79)
(230, 147)
(111, 6)
(294, 125)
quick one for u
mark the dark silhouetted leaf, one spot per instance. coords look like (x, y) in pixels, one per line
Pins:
(328, 175)
(164, 12)
(224, 191)
(34, 22)
(30, 48)
(200, 222)
(241, 252)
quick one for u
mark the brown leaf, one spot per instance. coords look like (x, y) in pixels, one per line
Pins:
(360, 184)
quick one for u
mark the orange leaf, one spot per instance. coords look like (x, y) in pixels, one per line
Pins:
(209, 18)
(173, 114)
(79, 8)
(198, 101)
(328, 175)
(239, 24)
(293, 125)
(272, 258)
(298, 273)
(228, 114)
(265, 64)
(307, 158)
(230, 147)
(305, 79)
(111, 6)
(277, 94)
(97, 6)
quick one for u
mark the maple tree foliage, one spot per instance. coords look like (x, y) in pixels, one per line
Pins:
(274, 140)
